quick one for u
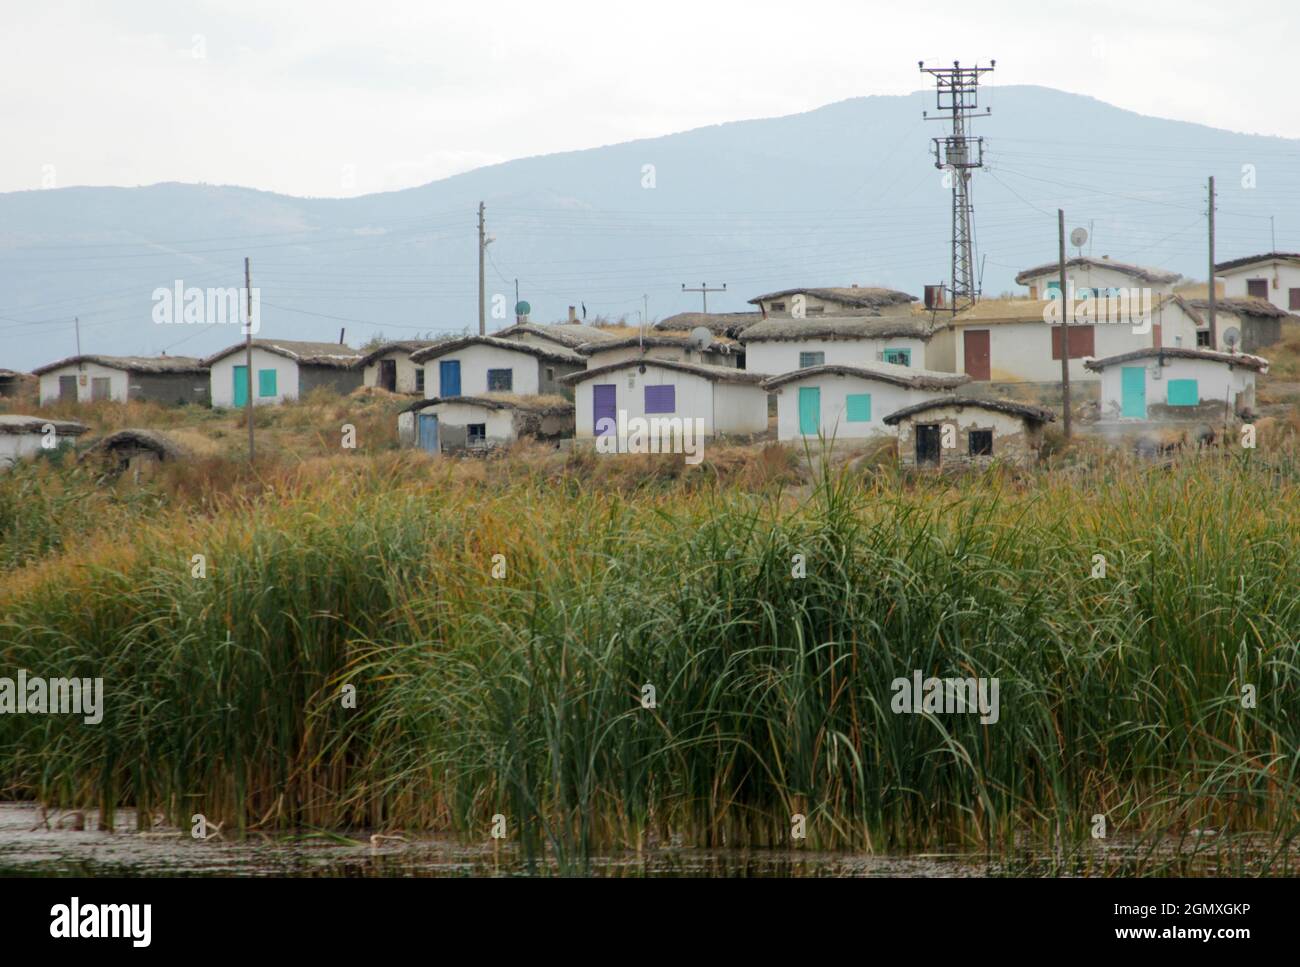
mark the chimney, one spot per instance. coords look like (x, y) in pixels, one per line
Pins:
(341, 331)
(573, 313)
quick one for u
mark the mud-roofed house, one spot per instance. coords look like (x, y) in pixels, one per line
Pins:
(851, 300)
(1176, 384)
(89, 378)
(1095, 276)
(284, 369)
(719, 400)
(1258, 323)
(850, 402)
(389, 366)
(24, 436)
(729, 324)
(782, 344)
(11, 382)
(454, 423)
(480, 365)
(618, 345)
(1271, 276)
(962, 431)
(565, 335)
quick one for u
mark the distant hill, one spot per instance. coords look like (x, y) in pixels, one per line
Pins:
(839, 195)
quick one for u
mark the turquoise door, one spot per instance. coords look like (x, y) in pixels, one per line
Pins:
(428, 436)
(810, 410)
(241, 385)
(1133, 390)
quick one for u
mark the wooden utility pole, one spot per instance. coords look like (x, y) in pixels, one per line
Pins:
(1066, 312)
(482, 292)
(248, 352)
(1214, 336)
(705, 290)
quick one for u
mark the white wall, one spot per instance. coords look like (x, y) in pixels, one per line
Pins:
(119, 381)
(776, 356)
(1088, 277)
(223, 377)
(724, 407)
(885, 399)
(405, 370)
(1282, 278)
(475, 361)
(499, 425)
(1022, 351)
(1215, 382)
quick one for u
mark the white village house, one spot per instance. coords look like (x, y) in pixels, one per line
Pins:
(730, 324)
(723, 399)
(493, 420)
(1177, 384)
(1095, 276)
(662, 344)
(479, 365)
(963, 430)
(389, 366)
(782, 344)
(25, 436)
(850, 402)
(285, 369)
(851, 300)
(1272, 276)
(1257, 323)
(88, 378)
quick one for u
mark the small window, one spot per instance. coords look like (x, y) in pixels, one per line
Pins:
(550, 374)
(501, 380)
(475, 433)
(660, 399)
(1202, 337)
(811, 359)
(899, 357)
(1053, 289)
(858, 407)
(778, 307)
(1257, 288)
(981, 443)
(1183, 392)
(266, 382)
(1294, 302)
(419, 379)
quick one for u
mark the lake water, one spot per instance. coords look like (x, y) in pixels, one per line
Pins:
(27, 848)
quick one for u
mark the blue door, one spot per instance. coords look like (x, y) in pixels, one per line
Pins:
(810, 410)
(604, 407)
(449, 377)
(1133, 392)
(428, 432)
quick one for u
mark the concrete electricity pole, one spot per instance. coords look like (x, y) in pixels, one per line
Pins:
(248, 352)
(1066, 312)
(704, 290)
(482, 292)
(1214, 337)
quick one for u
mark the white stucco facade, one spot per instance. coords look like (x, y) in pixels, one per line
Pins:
(1096, 277)
(725, 407)
(406, 371)
(1281, 279)
(873, 398)
(475, 360)
(222, 376)
(1164, 387)
(776, 356)
(86, 374)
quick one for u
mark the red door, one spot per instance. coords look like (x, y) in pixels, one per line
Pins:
(976, 348)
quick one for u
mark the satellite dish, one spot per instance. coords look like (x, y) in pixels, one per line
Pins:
(522, 308)
(700, 338)
(1079, 237)
(1231, 337)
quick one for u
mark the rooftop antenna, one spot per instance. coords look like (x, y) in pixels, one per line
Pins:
(956, 89)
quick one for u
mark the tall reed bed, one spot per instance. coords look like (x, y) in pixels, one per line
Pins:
(501, 642)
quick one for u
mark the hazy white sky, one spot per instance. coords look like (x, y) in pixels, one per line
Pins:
(336, 98)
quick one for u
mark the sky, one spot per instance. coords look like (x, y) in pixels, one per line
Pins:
(335, 99)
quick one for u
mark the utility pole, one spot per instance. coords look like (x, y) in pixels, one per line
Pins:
(518, 317)
(1067, 311)
(704, 290)
(77, 322)
(482, 292)
(1214, 336)
(248, 352)
(957, 97)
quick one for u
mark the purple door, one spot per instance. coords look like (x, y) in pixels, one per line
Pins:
(604, 406)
